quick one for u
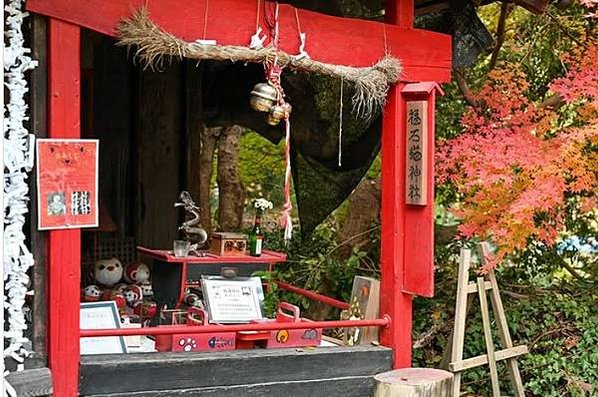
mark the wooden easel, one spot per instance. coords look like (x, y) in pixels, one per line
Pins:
(509, 353)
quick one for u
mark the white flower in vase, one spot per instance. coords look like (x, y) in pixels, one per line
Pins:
(262, 204)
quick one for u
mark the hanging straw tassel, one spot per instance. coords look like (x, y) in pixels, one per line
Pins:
(286, 221)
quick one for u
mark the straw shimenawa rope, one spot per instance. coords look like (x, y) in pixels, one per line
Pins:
(155, 47)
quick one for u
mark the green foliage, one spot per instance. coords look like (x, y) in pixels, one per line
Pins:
(313, 265)
(261, 168)
(556, 318)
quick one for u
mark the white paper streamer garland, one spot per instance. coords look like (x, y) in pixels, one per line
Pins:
(18, 161)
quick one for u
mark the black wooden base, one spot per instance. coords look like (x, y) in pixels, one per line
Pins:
(326, 372)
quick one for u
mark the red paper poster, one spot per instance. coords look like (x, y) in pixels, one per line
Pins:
(67, 183)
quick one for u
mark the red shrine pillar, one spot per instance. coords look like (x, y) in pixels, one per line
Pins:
(64, 246)
(393, 301)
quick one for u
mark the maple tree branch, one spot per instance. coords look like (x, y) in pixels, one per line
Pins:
(574, 272)
(551, 332)
(505, 10)
(562, 28)
(553, 101)
(464, 88)
(427, 337)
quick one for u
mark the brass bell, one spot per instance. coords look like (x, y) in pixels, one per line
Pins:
(263, 97)
(287, 108)
(276, 114)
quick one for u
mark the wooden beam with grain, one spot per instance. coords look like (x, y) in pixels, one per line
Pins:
(488, 337)
(472, 287)
(500, 355)
(460, 315)
(425, 55)
(501, 319)
(64, 246)
(39, 127)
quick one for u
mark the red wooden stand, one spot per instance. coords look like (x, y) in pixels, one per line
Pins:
(269, 258)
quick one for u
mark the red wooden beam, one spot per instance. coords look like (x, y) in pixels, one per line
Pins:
(64, 246)
(206, 329)
(418, 277)
(426, 55)
(400, 13)
(393, 301)
(314, 296)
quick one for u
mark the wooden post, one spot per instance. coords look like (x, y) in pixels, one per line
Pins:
(460, 315)
(39, 127)
(393, 301)
(501, 319)
(64, 246)
(414, 382)
(488, 337)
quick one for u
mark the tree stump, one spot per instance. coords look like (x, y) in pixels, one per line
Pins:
(414, 382)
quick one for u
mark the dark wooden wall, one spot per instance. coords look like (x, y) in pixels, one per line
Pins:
(112, 115)
(160, 156)
(323, 372)
(149, 126)
(38, 103)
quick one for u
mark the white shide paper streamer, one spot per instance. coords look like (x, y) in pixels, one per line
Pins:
(18, 161)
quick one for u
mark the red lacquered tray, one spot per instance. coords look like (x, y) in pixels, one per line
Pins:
(270, 257)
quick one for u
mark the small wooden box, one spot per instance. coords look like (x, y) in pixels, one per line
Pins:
(229, 244)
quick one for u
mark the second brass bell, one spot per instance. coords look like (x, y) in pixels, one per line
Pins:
(278, 113)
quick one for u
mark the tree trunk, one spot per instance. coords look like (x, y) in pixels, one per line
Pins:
(209, 137)
(363, 211)
(231, 192)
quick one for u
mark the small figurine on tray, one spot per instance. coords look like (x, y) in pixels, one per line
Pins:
(194, 236)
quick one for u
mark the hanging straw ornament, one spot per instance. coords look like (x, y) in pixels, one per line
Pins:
(155, 48)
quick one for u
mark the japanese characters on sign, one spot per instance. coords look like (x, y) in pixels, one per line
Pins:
(417, 153)
(233, 300)
(67, 183)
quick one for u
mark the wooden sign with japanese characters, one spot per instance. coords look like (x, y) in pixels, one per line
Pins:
(67, 183)
(416, 170)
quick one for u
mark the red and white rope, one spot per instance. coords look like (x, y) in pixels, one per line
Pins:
(273, 72)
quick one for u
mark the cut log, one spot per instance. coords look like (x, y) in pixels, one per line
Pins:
(414, 382)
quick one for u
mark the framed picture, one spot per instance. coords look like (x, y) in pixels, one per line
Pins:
(233, 300)
(67, 183)
(101, 315)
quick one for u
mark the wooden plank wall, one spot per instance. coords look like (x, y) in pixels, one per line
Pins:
(193, 125)
(39, 126)
(159, 146)
(338, 371)
(113, 115)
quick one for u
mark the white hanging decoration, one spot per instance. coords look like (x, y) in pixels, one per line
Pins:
(18, 161)
(302, 39)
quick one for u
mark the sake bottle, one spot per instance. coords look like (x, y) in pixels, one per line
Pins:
(256, 237)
